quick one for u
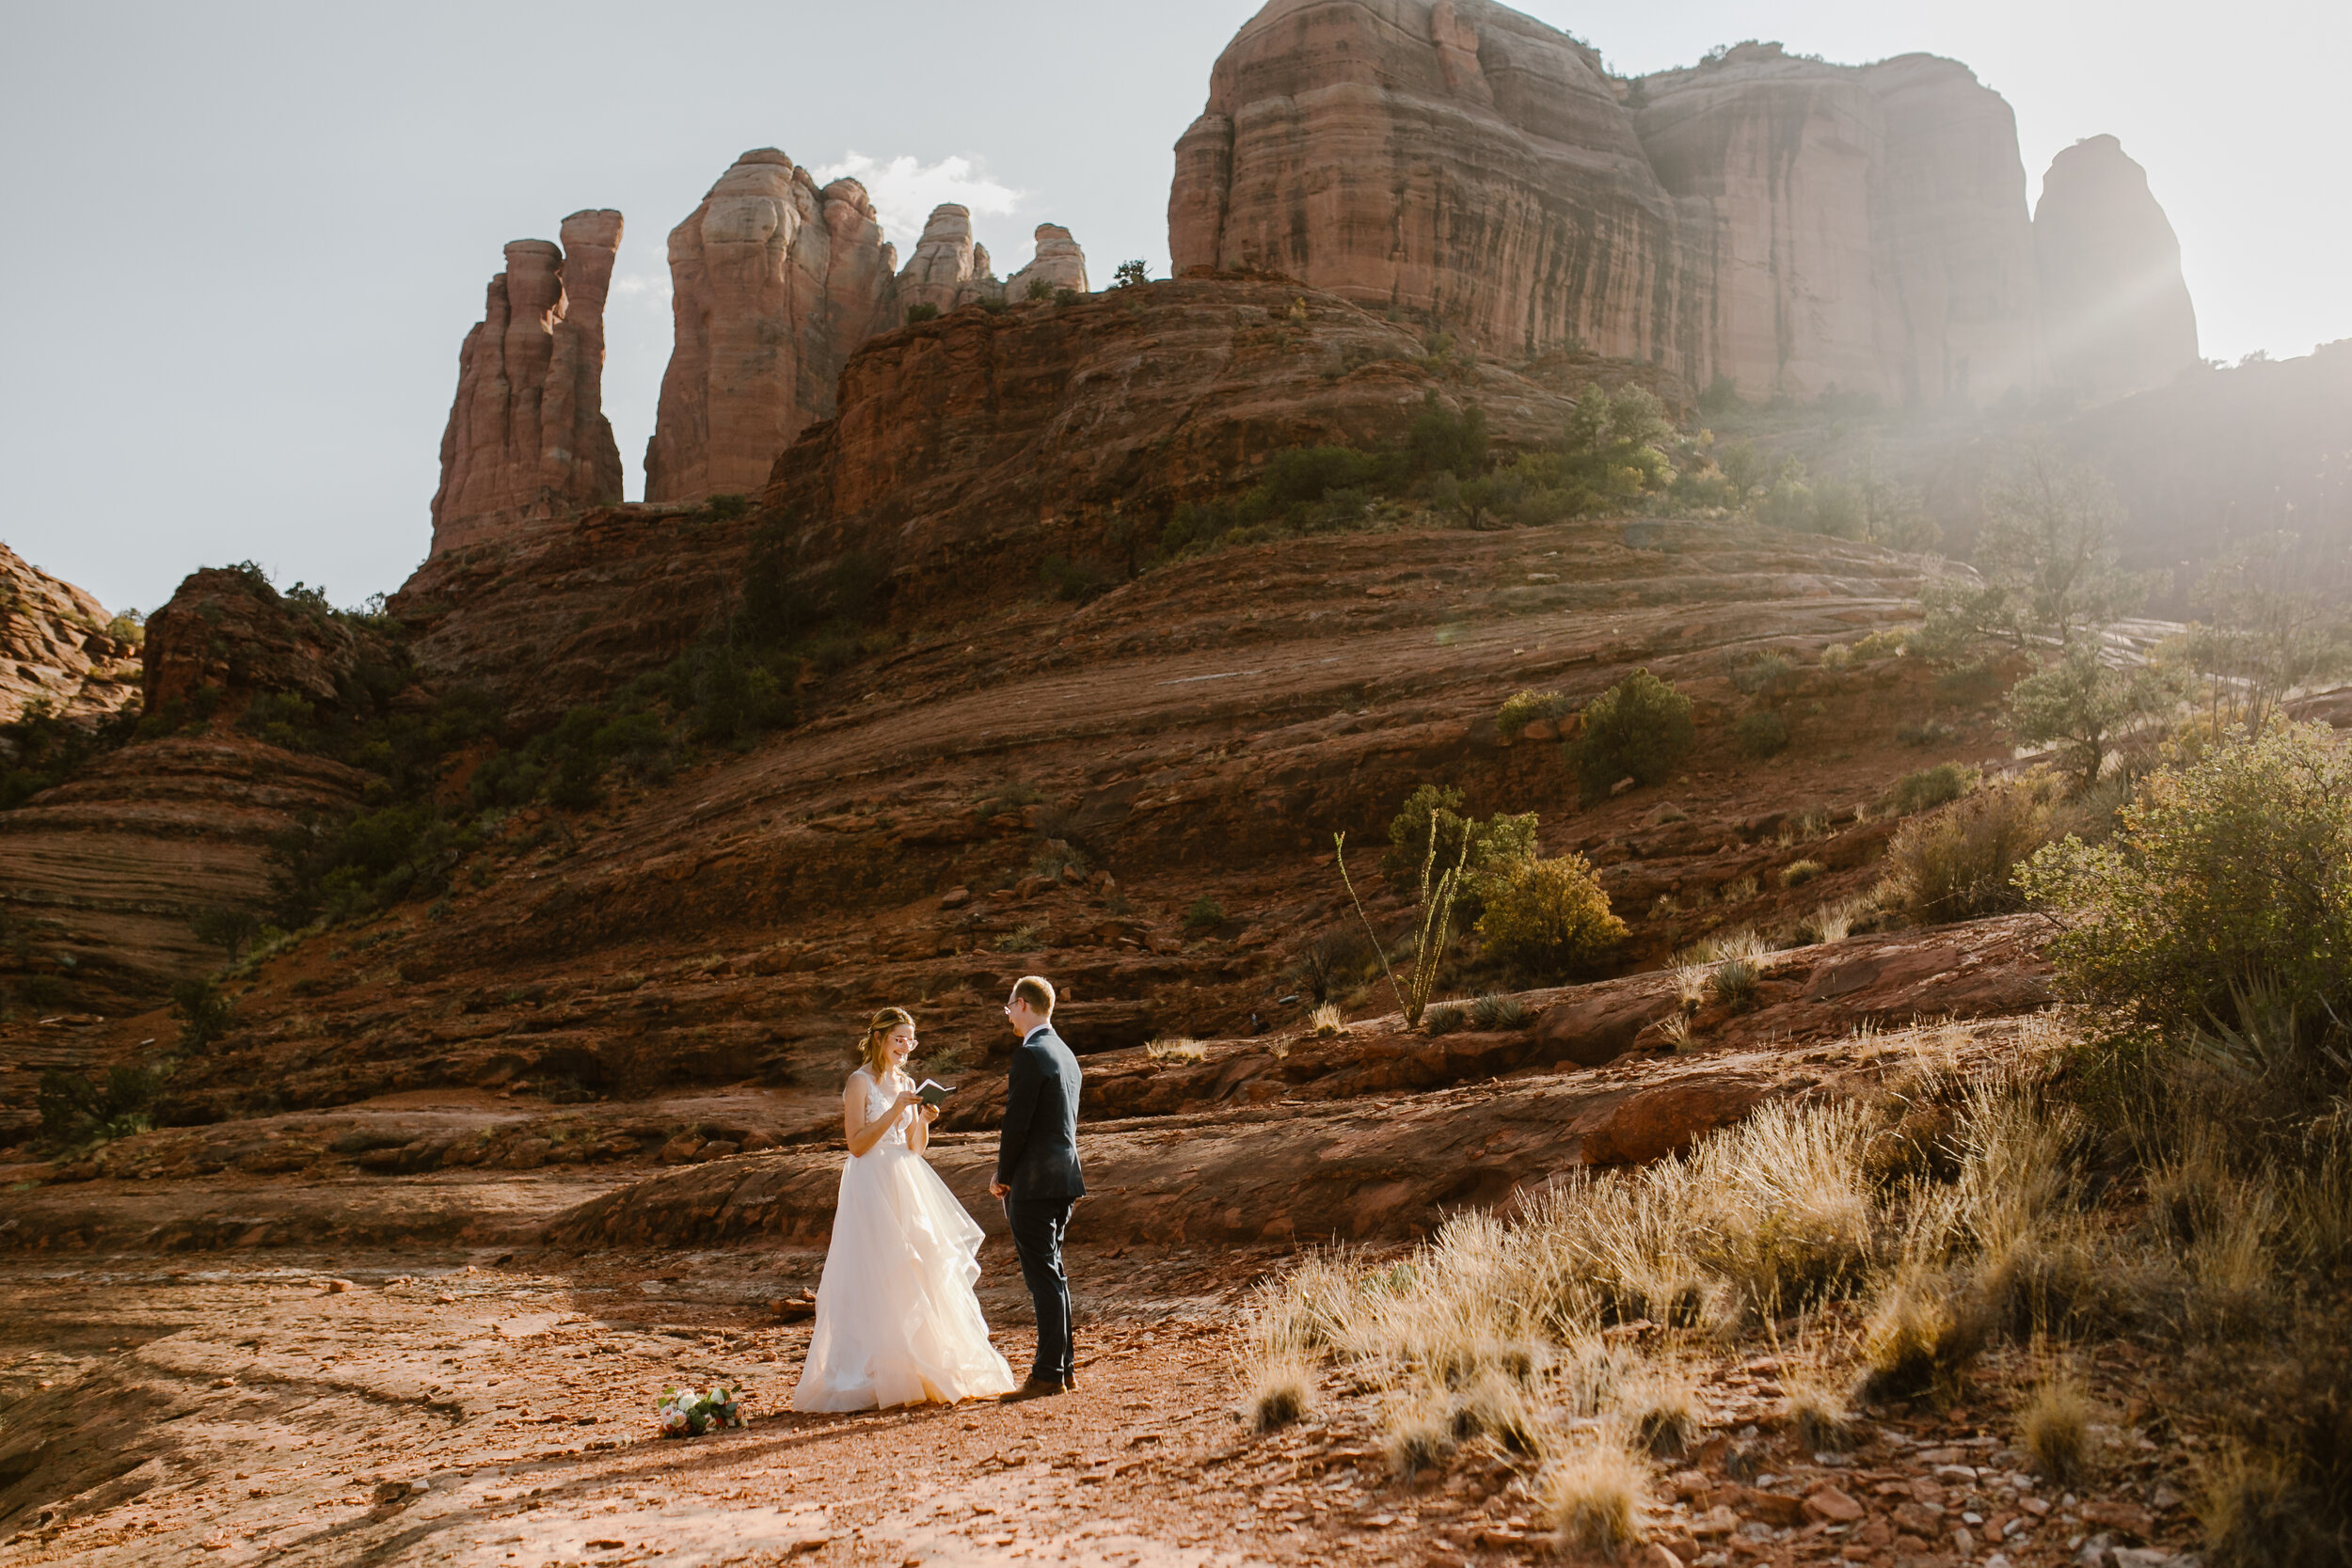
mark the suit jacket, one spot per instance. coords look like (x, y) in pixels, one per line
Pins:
(1037, 1152)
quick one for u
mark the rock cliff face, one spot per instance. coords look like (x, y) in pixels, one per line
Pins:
(56, 647)
(971, 447)
(775, 283)
(1790, 225)
(527, 434)
(2116, 312)
(228, 630)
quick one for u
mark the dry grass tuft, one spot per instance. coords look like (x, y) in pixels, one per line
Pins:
(1674, 1028)
(2254, 1514)
(1420, 1432)
(1496, 1406)
(1916, 1341)
(2055, 1428)
(1782, 1207)
(1175, 1049)
(1595, 1494)
(1280, 1390)
(1327, 1021)
(1663, 1407)
(1817, 1410)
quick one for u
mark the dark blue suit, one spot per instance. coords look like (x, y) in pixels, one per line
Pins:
(1037, 1156)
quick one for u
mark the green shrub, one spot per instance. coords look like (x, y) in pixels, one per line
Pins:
(1522, 708)
(2229, 877)
(75, 1111)
(1066, 296)
(1798, 873)
(923, 313)
(204, 1014)
(1763, 674)
(1639, 728)
(1493, 1012)
(1041, 289)
(1074, 580)
(1549, 915)
(1930, 787)
(1761, 735)
(227, 928)
(1205, 913)
(1962, 861)
(1495, 843)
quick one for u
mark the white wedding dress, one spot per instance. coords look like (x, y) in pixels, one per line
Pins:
(896, 1321)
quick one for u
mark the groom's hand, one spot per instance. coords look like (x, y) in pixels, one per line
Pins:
(998, 1189)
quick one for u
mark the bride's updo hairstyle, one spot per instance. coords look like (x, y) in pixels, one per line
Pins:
(875, 1047)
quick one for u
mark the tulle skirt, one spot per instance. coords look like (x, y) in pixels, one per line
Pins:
(896, 1320)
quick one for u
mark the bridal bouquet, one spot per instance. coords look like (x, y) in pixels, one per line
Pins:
(687, 1413)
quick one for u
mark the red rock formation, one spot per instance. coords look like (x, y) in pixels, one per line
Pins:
(229, 629)
(947, 268)
(1059, 264)
(1455, 158)
(1858, 230)
(969, 447)
(775, 283)
(2115, 311)
(56, 647)
(1790, 225)
(527, 435)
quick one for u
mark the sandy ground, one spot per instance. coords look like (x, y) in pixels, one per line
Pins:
(262, 1407)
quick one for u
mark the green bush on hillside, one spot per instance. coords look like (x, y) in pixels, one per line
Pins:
(2228, 882)
(1638, 729)
(1549, 915)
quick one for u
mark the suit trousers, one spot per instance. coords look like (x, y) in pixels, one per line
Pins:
(1037, 1224)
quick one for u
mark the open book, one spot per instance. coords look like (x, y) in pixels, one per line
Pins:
(930, 1091)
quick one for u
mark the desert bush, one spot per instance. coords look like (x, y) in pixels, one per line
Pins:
(1765, 672)
(1798, 873)
(1021, 938)
(1419, 1434)
(1499, 1012)
(1930, 787)
(1548, 914)
(1446, 1019)
(1817, 1410)
(924, 312)
(1330, 960)
(1761, 735)
(1430, 819)
(1175, 1048)
(1522, 708)
(1130, 274)
(1733, 982)
(2225, 895)
(1041, 289)
(1639, 728)
(204, 1013)
(1926, 732)
(1205, 914)
(2087, 707)
(77, 1111)
(1327, 1022)
(225, 928)
(1962, 861)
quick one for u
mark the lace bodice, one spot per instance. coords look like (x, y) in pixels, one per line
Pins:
(878, 1099)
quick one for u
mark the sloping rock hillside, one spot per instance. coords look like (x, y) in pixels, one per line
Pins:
(59, 646)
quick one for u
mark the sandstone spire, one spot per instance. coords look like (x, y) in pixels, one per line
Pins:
(527, 434)
(1059, 264)
(2116, 316)
(774, 284)
(946, 269)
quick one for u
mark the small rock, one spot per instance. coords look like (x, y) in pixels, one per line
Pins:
(334, 1287)
(955, 898)
(1623, 785)
(1832, 1506)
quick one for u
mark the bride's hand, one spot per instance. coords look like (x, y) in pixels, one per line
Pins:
(930, 1114)
(906, 1097)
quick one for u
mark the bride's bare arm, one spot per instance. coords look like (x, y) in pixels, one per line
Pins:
(865, 1135)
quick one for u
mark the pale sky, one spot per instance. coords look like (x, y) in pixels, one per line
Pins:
(246, 240)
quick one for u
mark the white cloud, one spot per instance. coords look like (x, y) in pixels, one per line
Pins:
(905, 191)
(652, 288)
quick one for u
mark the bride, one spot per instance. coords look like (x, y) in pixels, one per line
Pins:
(896, 1322)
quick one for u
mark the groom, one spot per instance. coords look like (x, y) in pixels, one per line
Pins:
(1037, 1175)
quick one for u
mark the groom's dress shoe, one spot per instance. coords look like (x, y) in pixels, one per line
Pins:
(1069, 1385)
(1036, 1389)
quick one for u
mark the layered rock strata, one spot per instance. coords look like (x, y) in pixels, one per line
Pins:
(2116, 312)
(527, 435)
(59, 646)
(1791, 226)
(775, 282)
